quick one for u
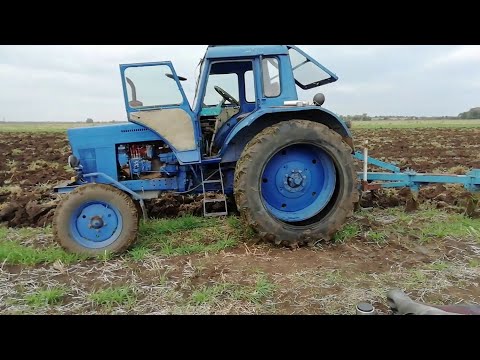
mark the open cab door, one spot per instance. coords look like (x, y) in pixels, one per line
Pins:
(154, 98)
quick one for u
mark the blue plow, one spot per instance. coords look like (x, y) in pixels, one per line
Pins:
(398, 179)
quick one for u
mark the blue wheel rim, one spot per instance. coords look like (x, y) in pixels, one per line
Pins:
(298, 182)
(96, 224)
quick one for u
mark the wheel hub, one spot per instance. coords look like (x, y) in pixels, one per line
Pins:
(96, 222)
(295, 181)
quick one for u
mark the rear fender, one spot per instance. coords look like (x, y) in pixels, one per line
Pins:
(251, 125)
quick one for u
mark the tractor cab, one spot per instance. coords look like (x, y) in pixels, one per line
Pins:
(234, 82)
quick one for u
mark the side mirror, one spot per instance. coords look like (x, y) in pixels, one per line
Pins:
(181, 78)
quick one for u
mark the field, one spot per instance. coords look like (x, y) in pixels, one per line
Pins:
(193, 265)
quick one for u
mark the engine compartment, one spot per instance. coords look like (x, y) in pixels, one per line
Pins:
(146, 160)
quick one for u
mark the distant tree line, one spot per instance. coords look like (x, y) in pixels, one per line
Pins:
(363, 117)
(473, 113)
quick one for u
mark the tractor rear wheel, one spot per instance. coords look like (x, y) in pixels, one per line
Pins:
(295, 183)
(94, 219)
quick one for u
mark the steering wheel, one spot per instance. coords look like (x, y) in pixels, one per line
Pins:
(226, 96)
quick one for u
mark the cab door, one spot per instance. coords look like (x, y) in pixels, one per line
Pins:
(154, 98)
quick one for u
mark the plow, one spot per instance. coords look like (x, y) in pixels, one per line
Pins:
(289, 164)
(409, 179)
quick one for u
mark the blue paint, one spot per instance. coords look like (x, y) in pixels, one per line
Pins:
(238, 137)
(102, 158)
(384, 165)
(95, 224)
(470, 181)
(298, 182)
(240, 51)
(413, 180)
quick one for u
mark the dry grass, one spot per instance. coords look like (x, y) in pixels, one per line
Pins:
(377, 250)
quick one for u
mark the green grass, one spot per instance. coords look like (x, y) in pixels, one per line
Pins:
(374, 124)
(416, 278)
(188, 235)
(45, 297)
(139, 253)
(439, 266)
(180, 236)
(263, 289)
(334, 276)
(348, 232)
(426, 224)
(49, 127)
(170, 249)
(154, 228)
(474, 263)
(208, 294)
(255, 294)
(415, 124)
(243, 231)
(110, 297)
(11, 252)
(378, 237)
(3, 233)
(450, 225)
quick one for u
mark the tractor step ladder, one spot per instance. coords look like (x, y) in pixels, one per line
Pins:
(219, 198)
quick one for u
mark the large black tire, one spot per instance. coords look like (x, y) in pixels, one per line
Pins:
(96, 192)
(248, 177)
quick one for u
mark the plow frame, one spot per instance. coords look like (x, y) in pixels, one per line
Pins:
(410, 179)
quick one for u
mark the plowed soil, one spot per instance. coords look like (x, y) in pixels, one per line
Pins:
(32, 163)
(210, 266)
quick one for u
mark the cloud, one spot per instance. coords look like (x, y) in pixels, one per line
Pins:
(74, 82)
(459, 55)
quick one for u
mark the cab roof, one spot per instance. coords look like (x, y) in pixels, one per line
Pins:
(229, 51)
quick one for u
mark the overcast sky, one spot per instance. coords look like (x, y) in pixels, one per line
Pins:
(73, 83)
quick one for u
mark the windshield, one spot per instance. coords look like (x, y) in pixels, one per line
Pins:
(307, 73)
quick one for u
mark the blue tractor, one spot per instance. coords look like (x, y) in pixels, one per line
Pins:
(289, 163)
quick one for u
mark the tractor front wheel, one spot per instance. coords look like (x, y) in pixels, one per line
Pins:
(94, 219)
(295, 183)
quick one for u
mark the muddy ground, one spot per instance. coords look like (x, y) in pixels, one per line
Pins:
(34, 163)
(212, 266)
